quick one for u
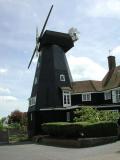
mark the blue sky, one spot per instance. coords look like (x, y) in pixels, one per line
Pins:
(98, 22)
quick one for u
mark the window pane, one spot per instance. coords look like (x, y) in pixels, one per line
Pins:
(68, 99)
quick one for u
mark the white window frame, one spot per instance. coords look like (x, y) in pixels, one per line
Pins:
(86, 97)
(62, 77)
(32, 101)
(116, 95)
(66, 98)
(107, 95)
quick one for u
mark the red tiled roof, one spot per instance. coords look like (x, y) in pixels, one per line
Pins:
(86, 86)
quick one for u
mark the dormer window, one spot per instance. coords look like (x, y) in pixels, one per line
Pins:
(62, 77)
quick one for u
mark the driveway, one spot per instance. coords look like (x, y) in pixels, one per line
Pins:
(41, 152)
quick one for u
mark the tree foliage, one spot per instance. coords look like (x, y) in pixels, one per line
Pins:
(18, 117)
(1, 125)
(91, 114)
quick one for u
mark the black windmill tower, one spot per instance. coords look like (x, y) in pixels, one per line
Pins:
(51, 91)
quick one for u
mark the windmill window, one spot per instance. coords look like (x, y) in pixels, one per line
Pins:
(62, 77)
(35, 81)
(86, 97)
(32, 101)
(107, 95)
(66, 98)
(38, 65)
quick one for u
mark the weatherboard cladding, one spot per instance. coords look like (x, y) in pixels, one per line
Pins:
(48, 88)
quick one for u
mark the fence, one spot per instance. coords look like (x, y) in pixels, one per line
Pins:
(4, 137)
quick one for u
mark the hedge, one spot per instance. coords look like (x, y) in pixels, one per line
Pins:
(80, 129)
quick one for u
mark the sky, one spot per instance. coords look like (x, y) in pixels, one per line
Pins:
(96, 20)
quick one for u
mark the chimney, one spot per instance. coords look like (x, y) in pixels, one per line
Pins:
(111, 62)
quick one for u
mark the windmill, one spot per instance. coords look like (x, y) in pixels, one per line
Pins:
(52, 83)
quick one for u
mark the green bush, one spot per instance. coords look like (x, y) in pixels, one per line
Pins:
(88, 114)
(101, 129)
(92, 115)
(14, 125)
(81, 129)
(1, 125)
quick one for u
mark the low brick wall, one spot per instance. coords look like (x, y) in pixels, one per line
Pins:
(78, 143)
(4, 138)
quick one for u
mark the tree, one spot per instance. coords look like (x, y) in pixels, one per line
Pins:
(1, 125)
(15, 117)
(18, 117)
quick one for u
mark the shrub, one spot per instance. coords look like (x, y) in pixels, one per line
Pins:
(88, 114)
(81, 129)
(92, 115)
(1, 125)
(14, 125)
(101, 129)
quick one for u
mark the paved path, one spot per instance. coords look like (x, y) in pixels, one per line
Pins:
(42, 152)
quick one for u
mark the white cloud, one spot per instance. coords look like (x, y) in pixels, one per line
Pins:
(83, 68)
(116, 51)
(105, 8)
(9, 106)
(5, 99)
(3, 70)
(4, 90)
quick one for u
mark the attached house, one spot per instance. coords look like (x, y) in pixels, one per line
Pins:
(105, 92)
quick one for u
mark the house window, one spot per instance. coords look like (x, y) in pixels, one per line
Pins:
(116, 96)
(107, 95)
(66, 98)
(32, 101)
(62, 77)
(86, 97)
